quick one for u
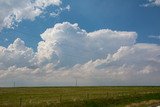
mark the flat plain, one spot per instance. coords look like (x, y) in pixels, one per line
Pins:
(98, 96)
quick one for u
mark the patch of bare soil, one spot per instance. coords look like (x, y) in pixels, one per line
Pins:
(150, 103)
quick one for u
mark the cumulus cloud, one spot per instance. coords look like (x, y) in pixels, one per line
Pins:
(66, 44)
(14, 11)
(66, 52)
(17, 54)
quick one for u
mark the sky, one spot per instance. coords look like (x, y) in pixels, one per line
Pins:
(97, 42)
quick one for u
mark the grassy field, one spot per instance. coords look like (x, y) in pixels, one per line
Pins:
(79, 96)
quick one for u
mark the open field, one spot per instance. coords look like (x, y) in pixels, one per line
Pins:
(79, 97)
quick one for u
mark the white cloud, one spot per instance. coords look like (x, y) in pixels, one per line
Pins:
(60, 10)
(13, 11)
(65, 42)
(66, 52)
(17, 54)
(154, 37)
(152, 3)
(155, 2)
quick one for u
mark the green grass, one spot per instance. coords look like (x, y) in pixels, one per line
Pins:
(76, 96)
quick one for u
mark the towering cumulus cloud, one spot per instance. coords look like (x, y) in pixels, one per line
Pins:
(102, 57)
(67, 44)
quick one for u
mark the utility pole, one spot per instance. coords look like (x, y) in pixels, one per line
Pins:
(14, 84)
(76, 82)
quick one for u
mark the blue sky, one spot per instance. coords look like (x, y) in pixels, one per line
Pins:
(98, 42)
(93, 15)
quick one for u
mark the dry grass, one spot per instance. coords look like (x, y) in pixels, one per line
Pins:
(79, 96)
(150, 103)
